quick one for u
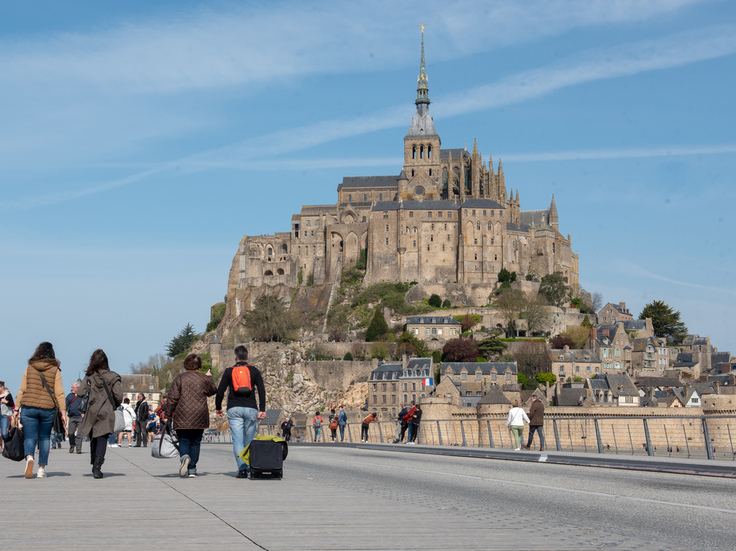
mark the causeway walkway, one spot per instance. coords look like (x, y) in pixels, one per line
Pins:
(142, 503)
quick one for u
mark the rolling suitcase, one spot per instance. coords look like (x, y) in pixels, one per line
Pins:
(267, 458)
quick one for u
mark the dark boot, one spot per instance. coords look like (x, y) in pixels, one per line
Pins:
(96, 469)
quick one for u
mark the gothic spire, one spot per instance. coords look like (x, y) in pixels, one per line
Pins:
(552, 214)
(422, 79)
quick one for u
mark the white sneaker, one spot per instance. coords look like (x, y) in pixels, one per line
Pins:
(41, 473)
(517, 449)
(114, 446)
(29, 467)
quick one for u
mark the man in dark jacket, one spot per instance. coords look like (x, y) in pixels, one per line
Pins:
(141, 421)
(416, 418)
(536, 422)
(401, 424)
(243, 413)
(74, 418)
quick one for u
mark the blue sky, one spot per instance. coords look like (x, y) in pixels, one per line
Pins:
(140, 141)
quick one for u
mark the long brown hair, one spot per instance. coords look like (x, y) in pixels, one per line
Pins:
(97, 362)
(44, 351)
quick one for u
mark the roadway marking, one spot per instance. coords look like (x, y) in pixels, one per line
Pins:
(555, 488)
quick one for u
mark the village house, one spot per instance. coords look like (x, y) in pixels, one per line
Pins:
(433, 328)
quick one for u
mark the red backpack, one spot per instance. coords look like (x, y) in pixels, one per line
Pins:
(241, 380)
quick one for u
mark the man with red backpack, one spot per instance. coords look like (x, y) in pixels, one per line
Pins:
(243, 413)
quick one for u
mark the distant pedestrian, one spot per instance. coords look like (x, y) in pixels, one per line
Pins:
(6, 412)
(536, 423)
(400, 424)
(105, 390)
(243, 383)
(416, 418)
(407, 418)
(129, 416)
(187, 407)
(364, 426)
(317, 425)
(333, 425)
(74, 418)
(342, 420)
(41, 392)
(141, 421)
(515, 421)
(286, 429)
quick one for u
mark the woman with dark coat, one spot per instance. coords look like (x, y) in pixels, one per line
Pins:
(187, 408)
(99, 422)
(37, 405)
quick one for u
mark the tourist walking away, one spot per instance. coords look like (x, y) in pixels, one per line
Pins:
(6, 412)
(286, 429)
(187, 407)
(333, 425)
(105, 390)
(129, 416)
(243, 382)
(141, 421)
(40, 394)
(536, 423)
(516, 419)
(407, 419)
(416, 418)
(342, 420)
(401, 423)
(74, 418)
(365, 425)
(317, 425)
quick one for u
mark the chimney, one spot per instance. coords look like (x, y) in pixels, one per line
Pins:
(622, 305)
(567, 348)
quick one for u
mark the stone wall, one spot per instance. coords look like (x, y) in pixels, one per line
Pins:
(338, 374)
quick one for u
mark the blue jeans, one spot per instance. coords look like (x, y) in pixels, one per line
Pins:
(190, 441)
(4, 424)
(411, 430)
(317, 433)
(342, 432)
(539, 429)
(37, 423)
(243, 424)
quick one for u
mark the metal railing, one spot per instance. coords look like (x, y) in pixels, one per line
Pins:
(696, 436)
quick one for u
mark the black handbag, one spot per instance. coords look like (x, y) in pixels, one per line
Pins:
(14, 445)
(83, 405)
(58, 425)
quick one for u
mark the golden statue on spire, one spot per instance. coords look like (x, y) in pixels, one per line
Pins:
(422, 26)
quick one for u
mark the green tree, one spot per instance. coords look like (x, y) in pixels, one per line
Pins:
(378, 327)
(446, 303)
(217, 312)
(348, 357)
(665, 320)
(270, 320)
(554, 287)
(538, 314)
(532, 358)
(586, 322)
(182, 342)
(435, 301)
(546, 377)
(379, 350)
(491, 348)
(409, 344)
(504, 276)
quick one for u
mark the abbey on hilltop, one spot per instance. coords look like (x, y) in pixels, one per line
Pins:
(447, 217)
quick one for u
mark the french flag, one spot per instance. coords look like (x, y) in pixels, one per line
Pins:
(428, 382)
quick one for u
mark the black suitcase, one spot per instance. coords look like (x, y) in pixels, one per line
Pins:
(267, 459)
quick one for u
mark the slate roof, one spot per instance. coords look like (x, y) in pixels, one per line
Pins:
(704, 388)
(571, 396)
(534, 218)
(599, 383)
(419, 363)
(621, 385)
(685, 359)
(573, 355)
(485, 367)
(456, 153)
(474, 203)
(720, 358)
(422, 124)
(692, 340)
(635, 325)
(433, 320)
(493, 397)
(658, 382)
(414, 205)
(385, 372)
(368, 182)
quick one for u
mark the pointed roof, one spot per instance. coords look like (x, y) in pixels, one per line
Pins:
(422, 124)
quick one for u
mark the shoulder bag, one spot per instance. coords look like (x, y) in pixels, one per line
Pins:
(58, 425)
(84, 400)
(165, 445)
(119, 417)
(14, 445)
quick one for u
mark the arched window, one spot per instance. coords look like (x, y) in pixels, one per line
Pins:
(414, 152)
(490, 226)
(280, 271)
(477, 226)
(429, 154)
(284, 249)
(268, 273)
(269, 252)
(421, 152)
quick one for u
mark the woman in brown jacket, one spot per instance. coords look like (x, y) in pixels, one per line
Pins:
(105, 390)
(37, 405)
(187, 407)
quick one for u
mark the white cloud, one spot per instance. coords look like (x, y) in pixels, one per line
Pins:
(620, 153)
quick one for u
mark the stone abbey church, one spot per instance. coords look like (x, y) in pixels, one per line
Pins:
(447, 217)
